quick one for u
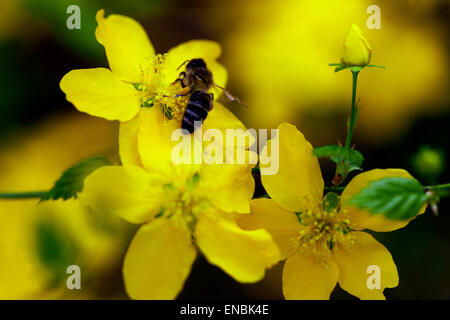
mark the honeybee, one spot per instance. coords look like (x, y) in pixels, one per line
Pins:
(199, 79)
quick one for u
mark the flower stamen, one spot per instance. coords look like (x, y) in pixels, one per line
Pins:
(323, 230)
(155, 89)
(184, 201)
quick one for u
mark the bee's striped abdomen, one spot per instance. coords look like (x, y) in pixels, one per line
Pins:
(200, 103)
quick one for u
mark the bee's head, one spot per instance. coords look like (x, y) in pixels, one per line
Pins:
(196, 63)
(198, 74)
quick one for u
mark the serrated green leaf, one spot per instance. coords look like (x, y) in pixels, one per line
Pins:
(352, 158)
(72, 180)
(327, 151)
(355, 160)
(395, 198)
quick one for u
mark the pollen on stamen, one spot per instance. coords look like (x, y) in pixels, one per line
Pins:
(184, 203)
(322, 232)
(156, 90)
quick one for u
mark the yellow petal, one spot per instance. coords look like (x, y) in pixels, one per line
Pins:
(128, 142)
(282, 225)
(229, 187)
(298, 184)
(306, 279)
(155, 144)
(205, 49)
(158, 260)
(363, 219)
(238, 139)
(244, 255)
(353, 264)
(126, 44)
(100, 93)
(128, 192)
(356, 50)
(221, 118)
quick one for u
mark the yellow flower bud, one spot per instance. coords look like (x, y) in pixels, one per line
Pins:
(356, 50)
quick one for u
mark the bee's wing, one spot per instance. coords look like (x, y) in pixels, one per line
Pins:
(230, 96)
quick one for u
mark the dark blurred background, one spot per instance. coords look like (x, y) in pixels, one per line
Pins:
(276, 54)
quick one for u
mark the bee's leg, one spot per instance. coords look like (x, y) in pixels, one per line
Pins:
(185, 91)
(180, 79)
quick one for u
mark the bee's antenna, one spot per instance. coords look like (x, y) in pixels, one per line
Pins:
(183, 64)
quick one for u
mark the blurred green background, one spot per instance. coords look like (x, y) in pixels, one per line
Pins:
(276, 54)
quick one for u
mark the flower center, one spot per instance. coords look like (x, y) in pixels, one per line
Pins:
(183, 201)
(156, 89)
(323, 230)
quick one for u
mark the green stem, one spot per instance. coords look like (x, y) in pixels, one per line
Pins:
(39, 194)
(438, 187)
(354, 112)
(22, 195)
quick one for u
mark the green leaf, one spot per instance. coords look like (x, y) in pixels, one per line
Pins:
(395, 198)
(352, 158)
(327, 151)
(72, 180)
(355, 160)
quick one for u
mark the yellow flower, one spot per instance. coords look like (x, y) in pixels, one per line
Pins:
(356, 50)
(321, 247)
(138, 77)
(180, 206)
